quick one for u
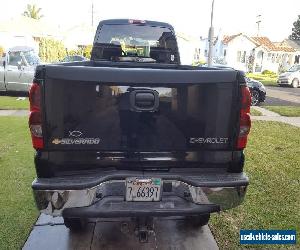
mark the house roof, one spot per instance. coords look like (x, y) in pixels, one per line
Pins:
(227, 39)
(266, 42)
(295, 44)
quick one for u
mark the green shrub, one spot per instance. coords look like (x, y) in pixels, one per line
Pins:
(199, 63)
(1, 51)
(87, 51)
(51, 50)
(73, 52)
(269, 72)
(83, 51)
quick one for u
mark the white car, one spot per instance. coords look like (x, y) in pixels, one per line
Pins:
(291, 77)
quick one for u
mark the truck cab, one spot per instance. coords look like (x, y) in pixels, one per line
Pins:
(17, 70)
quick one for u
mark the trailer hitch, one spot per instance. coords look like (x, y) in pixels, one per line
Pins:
(144, 227)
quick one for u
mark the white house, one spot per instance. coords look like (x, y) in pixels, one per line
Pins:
(190, 49)
(271, 56)
(252, 54)
(238, 51)
(295, 44)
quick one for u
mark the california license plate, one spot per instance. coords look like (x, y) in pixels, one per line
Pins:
(143, 189)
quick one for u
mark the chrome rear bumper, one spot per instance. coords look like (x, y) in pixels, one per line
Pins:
(214, 191)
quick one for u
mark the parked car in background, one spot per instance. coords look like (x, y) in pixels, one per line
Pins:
(257, 90)
(291, 77)
(17, 70)
(75, 58)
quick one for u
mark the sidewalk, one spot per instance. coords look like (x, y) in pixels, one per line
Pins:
(21, 112)
(272, 116)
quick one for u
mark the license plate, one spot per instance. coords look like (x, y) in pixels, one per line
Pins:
(143, 189)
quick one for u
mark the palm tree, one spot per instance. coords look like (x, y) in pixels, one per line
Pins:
(33, 12)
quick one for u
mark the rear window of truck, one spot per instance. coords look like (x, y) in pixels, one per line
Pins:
(135, 42)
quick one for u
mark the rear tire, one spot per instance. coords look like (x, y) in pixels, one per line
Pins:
(255, 96)
(295, 83)
(197, 220)
(75, 224)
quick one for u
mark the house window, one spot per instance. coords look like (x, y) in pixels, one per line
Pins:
(269, 56)
(225, 52)
(278, 58)
(243, 59)
(197, 54)
(238, 58)
(241, 56)
(273, 57)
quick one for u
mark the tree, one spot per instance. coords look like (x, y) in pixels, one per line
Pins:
(33, 12)
(51, 50)
(296, 30)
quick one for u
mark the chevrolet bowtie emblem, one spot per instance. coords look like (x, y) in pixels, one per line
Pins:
(75, 133)
(56, 141)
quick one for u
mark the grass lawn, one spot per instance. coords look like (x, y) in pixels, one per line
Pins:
(285, 110)
(272, 201)
(17, 209)
(255, 112)
(7, 102)
(273, 197)
(265, 79)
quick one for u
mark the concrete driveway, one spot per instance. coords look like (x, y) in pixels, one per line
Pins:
(50, 233)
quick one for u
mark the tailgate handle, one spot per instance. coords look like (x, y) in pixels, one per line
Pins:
(144, 100)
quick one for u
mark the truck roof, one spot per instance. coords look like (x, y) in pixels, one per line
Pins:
(20, 48)
(127, 21)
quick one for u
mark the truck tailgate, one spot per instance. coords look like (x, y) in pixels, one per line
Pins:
(140, 110)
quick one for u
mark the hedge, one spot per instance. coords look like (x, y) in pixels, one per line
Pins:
(51, 50)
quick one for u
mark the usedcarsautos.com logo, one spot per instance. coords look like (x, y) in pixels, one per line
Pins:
(76, 140)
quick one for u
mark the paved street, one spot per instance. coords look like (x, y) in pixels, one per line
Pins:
(285, 96)
(50, 233)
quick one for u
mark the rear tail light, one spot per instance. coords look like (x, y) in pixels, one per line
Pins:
(245, 121)
(35, 120)
(35, 97)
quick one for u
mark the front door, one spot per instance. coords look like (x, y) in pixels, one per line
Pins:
(15, 76)
(2, 70)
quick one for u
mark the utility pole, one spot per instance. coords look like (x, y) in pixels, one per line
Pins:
(258, 18)
(92, 14)
(211, 36)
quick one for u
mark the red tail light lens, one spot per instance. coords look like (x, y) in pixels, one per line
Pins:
(35, 97)
(35, 120)
(245, 121)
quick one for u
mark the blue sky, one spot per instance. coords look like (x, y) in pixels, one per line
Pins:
(191, 17)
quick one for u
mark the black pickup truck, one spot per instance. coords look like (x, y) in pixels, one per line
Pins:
(132, 133)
